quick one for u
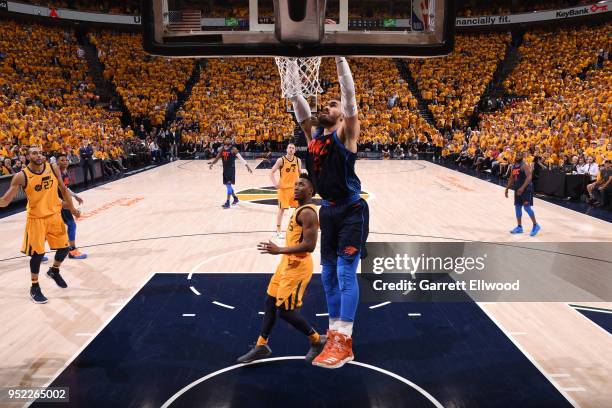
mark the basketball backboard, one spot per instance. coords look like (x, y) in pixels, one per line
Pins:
(294, 28)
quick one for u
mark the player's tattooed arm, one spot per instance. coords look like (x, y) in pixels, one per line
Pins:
(509, 185)
(216, 160)
(528, 177)
(17, 181)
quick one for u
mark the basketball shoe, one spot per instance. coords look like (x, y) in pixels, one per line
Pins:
(338, 351)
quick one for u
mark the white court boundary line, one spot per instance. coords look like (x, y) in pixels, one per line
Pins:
(529, 357)
(223, 305)
(195, 268)
(95, 335)
(183, 390)
(575, 309)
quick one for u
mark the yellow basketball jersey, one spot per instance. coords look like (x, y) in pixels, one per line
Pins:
(289, 172)
(42, 193)
(294, 230)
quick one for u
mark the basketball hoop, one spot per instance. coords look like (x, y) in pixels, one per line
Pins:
(299, 76)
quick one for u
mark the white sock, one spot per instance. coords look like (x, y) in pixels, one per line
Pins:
(345, 328)
(333, 323)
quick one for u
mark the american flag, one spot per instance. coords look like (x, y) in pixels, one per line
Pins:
(184, 20)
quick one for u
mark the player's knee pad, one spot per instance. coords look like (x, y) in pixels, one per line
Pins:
(61, 254)
(71, 230)
(528, 210)
(35, 261)
(518, 210)
(230, 189)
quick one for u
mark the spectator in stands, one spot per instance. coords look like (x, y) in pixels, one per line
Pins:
(86, 154)
(18, 166)
(155, 151)
(6, 168)
(141, 132)
(600, 186)
(590, 167)
(398, 153)
(385, 152)
(72, 158)
(601, 190)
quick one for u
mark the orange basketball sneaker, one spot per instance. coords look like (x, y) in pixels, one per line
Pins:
(338, 351)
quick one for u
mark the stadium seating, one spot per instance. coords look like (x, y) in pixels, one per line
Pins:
(453, 85)
(146, 84)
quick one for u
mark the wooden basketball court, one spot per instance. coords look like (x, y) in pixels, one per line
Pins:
(170, 219)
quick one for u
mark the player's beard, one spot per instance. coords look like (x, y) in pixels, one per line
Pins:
(326, 121)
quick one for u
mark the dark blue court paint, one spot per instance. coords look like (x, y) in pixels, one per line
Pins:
(148, 352)
(602, 319)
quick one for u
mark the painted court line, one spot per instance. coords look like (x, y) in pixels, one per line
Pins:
(380, 305)
(414, 314)
(322, 314)
(591, 322)
(591, 309)
(261, 313)
(188, 314)
(414, 386)
(195, 268)
(80, 350)
(529, 356)
(223, 305)
(194, 290)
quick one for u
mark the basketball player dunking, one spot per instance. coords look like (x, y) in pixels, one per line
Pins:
(289, 282)
(74, 253)
(520, 176)
(40, 181)
(344, 215)
(228, 155)
(289, 168)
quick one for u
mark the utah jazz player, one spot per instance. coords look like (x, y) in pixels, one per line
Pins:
(40, 182)
(289, 168)
(288, 284)
(228, 155)
(344, 215)
(520, 177)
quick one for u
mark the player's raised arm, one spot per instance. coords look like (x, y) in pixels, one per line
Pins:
(349, 102)
(17, 181)
(301, 107)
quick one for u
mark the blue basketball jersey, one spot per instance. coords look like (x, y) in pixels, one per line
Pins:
(332, 168)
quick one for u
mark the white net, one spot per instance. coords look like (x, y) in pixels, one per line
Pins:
(299, 76)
